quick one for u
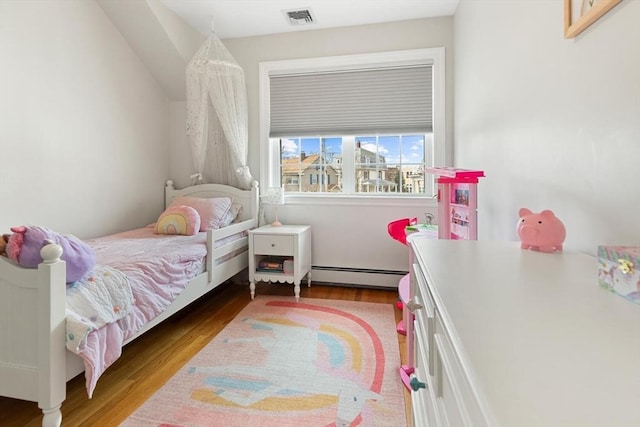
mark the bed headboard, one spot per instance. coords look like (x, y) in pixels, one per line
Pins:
(247, 198)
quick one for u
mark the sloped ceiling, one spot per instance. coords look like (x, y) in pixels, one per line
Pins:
(162, 40)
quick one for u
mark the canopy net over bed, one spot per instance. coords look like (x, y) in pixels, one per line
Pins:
(217, 115)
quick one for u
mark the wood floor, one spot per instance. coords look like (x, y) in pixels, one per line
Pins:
(151, 360)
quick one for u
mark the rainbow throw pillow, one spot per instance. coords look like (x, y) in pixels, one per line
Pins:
(182, 220)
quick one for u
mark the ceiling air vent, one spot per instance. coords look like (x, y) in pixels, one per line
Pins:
(299, 16)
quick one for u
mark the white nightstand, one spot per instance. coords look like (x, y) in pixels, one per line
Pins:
(275, 245)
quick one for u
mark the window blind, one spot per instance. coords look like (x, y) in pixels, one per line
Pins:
(354, 102)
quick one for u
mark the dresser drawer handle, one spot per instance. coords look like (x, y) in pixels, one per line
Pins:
(273, 245)
(413, 306)
(416, 384)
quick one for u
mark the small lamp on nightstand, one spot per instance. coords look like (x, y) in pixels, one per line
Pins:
(275, 196)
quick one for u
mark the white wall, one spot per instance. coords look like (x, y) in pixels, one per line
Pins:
(347, 235)
(84, 133)
(85, 128)
(554, 122)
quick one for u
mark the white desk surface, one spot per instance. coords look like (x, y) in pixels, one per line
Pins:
(543, 342)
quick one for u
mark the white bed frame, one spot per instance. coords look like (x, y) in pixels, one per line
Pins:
(34, 362)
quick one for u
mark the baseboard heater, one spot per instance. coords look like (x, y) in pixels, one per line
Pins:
(357, 276)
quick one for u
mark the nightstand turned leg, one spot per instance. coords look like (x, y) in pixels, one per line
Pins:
(252, 288)
(309, 279)
(296, 290)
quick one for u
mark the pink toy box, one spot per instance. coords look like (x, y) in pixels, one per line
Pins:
(619, 270)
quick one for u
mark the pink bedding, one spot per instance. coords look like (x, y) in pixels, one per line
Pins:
(158, 267)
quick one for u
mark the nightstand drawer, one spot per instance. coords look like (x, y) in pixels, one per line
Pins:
(273, 245)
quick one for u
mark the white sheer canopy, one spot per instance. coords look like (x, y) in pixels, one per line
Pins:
(217, 115)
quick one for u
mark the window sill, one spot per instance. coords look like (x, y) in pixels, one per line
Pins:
(348, 200)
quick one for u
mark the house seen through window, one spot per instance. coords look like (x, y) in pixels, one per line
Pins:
(380, 164)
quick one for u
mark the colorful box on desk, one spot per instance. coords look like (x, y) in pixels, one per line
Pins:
(619, 270)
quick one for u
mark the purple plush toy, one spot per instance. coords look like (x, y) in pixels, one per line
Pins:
(25, 244)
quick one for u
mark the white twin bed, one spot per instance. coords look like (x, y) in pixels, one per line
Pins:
(35, 362)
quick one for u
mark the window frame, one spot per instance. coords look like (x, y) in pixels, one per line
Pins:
(270, 153)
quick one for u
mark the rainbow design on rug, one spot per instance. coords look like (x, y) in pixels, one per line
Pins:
(288, 363)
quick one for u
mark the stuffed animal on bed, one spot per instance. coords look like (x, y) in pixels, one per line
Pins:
(4, 239)
(24, 245)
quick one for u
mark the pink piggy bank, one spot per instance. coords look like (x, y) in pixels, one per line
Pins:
(542, 231)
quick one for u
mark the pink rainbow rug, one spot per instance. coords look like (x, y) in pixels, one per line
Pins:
(282, 363)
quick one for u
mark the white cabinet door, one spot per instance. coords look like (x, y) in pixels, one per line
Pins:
(422, 397)
(453, 387)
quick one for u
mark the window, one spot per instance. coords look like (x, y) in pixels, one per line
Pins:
(391, 164)
(353, 125)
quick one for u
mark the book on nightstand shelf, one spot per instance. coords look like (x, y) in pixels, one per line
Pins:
(273, 265)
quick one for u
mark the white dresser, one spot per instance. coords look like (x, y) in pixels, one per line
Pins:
(517, 338)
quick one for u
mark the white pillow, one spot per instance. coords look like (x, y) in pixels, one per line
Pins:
(211, 210)
(232, 215)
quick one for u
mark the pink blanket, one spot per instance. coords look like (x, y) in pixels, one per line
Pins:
(159, 267)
